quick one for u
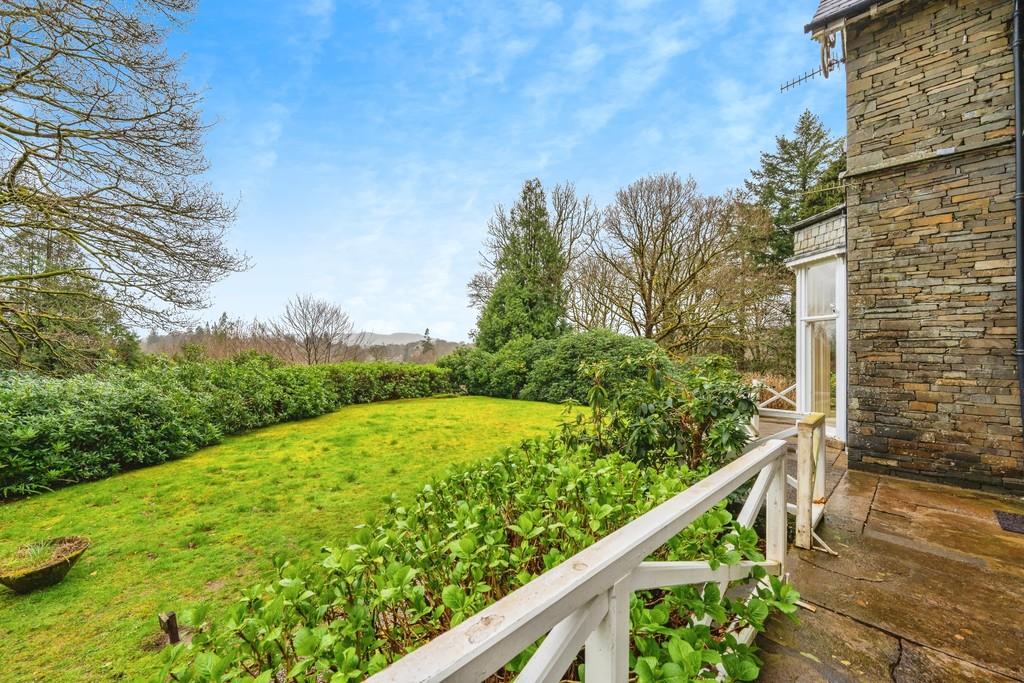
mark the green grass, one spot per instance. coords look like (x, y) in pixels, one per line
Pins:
(201, 527)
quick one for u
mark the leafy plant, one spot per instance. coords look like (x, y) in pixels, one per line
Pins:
(466, 542)
(696, 412)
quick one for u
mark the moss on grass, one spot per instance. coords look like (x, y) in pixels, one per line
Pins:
(201, 527)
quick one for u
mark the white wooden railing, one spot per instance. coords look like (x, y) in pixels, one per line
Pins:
(786, 397)
(810, 481)
(584, 602)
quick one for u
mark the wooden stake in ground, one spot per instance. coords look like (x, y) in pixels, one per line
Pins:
(169, 625)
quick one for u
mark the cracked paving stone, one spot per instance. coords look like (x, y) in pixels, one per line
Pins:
(926, 587)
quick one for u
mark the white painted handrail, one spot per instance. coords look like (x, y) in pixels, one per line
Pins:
(776, 395)
(585, 600)
(763, 410)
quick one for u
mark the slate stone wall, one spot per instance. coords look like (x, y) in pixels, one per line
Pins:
(930, 245)
(828, 234)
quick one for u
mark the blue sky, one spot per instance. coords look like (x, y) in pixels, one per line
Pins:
(367, 142)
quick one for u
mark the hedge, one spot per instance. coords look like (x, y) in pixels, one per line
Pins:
(57, 431)
(550, 370)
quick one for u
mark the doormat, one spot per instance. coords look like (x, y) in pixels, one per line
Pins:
(1010, 521)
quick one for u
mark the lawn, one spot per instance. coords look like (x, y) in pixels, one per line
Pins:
(201, 527)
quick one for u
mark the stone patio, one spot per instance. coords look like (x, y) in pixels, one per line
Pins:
(926, 587)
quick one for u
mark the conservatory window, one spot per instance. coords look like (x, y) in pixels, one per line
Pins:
(821, 339)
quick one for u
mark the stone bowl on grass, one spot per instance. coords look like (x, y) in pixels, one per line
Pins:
(41, 564)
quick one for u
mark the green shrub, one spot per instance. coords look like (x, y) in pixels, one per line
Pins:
(238, 395)
(696, 412)
(467, 367)
(464, 543)
(54, 431)
(550, 370)
(58, 431)
(371, 382)
(561, 374)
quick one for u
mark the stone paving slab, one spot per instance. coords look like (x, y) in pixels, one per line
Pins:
(960, 522)
(926, 587)
(826, 646)
(856, 652)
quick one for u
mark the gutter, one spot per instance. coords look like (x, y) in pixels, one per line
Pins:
(856, 8)
(1018, 196)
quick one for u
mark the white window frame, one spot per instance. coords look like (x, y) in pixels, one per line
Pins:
(803, 359)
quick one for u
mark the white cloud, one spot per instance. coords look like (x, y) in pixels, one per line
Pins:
(636, 5)
(640, 72)
(377, 196)
(650, 136)
(585, 57)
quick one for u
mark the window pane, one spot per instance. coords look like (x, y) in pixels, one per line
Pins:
(821, 288)
(823, 367)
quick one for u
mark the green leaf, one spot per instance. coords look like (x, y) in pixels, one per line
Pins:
(678, 649)
(741, 668)
(208, 666)
(757, 611)
(453, 597)
(306, 642)
(644, 672)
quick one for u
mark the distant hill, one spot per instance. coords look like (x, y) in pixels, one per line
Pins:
(403, 347)
(396, 338)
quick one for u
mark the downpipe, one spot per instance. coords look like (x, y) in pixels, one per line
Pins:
(1018, 196)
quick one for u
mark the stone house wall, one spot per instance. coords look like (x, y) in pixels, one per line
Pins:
(930, 244)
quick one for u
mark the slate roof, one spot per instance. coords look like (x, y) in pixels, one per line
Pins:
(830, 10)
(819, 217)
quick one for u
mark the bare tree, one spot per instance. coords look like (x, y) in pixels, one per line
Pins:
(593, 288)
(574, 220)
(100, 149)
(670, 256)
(322, 330)
(479, 289)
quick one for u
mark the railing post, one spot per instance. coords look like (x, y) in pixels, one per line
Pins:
(776, 517)
(754, 428)
(805, 484)
(819, 466)
(606, 653)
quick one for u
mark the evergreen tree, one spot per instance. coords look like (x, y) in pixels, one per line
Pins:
(71, 326)
(799, 179)
(528, 298)
(427, 345)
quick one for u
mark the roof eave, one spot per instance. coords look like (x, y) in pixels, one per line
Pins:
(846, 12)
(818, 217)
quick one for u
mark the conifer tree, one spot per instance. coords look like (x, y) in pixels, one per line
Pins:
(797, 180)
(528, 298)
